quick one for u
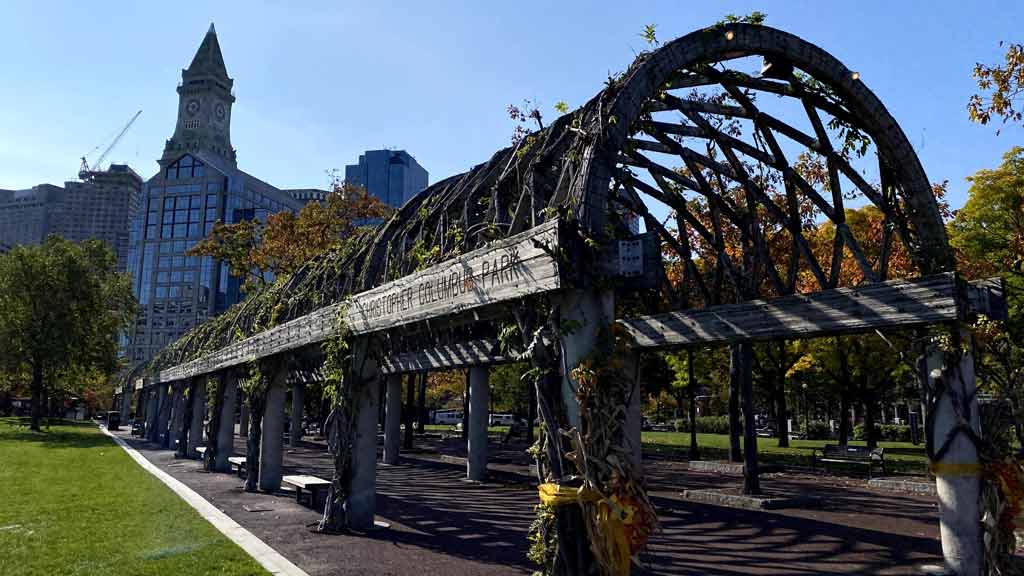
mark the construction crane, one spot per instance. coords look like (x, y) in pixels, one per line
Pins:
(85, 170)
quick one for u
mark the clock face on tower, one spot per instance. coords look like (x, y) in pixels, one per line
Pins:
(192, 107)
(219, 112)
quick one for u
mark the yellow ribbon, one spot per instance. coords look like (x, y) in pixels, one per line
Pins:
(954, 469)
(611, 515)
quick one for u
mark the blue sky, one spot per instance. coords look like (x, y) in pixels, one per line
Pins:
(317, 83)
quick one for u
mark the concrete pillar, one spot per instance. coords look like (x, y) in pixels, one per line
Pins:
(177, 412)
(195, 432)
(393, 419)
(362, 501)
(587, 312)
(272, 442)
(226, 433)
(957, 478)
(476, 463)
(163, 415)
(243, 417)
(298, 399)
(152, 408)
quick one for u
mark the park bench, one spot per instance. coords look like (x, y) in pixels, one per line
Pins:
(201, 450)
(238, 463)
(315, 486)
(850, 455)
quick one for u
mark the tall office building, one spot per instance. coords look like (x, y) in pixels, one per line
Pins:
(198, 184)
(393, 176)
(99, 207)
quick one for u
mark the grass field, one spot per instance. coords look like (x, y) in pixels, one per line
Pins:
(75, 503)
(900, 457)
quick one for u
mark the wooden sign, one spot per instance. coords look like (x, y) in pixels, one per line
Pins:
(517, 266)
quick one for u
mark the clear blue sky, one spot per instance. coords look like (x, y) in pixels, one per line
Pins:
(318, 82)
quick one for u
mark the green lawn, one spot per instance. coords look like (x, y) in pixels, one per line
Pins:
(902, 457)
(72, 502)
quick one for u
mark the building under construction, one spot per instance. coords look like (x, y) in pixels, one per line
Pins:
(100, 206)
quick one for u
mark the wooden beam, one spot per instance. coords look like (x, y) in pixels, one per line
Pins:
(517, 266)
(482, 352)
(892, 304)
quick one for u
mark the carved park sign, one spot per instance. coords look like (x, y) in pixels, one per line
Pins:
(517, 266)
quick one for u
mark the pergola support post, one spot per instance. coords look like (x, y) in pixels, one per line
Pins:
(957, 474)
(198, 401)
(361, 505)
(744, 355)
(226, 431)
(479, 398)
(392, 418)
(272, 442)
(163, 415)
(298, 406)
(633, 426)
(177, 416)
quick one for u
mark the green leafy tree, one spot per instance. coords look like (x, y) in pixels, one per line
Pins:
(62, 307)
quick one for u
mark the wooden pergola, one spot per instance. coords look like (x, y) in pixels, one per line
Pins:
(530, 257)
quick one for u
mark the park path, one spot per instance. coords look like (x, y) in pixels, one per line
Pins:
(441, 524)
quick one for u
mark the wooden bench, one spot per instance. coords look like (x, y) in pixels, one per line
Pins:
(238, 463)
(315, 486)
(853, 455)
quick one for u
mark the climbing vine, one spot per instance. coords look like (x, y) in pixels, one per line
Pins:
(254, 387)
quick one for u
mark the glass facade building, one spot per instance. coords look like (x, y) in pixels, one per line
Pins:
(198, 184)
(393, 176)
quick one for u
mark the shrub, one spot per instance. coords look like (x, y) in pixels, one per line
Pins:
(886, 433)
(818, 430)
(705, 425)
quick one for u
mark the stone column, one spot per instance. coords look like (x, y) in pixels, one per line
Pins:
(476, 463)
(195, 432)
(226, 433)
(272, 443)
(588, 312)
(163, 415)
(393, 419)
(362, 501)
(298, 399)
(957, 477)
(243, 417)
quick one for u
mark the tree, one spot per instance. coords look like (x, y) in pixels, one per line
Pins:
(988, 236)
(1004, 86)
(62, 307)
(260, 251)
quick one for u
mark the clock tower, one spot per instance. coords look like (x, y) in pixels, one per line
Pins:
(204, 107)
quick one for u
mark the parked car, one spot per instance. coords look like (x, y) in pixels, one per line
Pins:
(447, 417)
(501, 419)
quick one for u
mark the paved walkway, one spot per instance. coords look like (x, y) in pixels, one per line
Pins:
(443, 525)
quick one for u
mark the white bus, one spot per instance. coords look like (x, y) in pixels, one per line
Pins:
(502, 419)
(446, 417)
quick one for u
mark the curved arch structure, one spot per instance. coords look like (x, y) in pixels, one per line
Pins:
(741, 147)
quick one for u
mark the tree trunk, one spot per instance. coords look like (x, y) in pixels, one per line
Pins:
(844, 395)
(870, 408)
(421, 405)
(37, 395)
(410, 407)
(691, 390)
(735, 375)
(781, 409)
